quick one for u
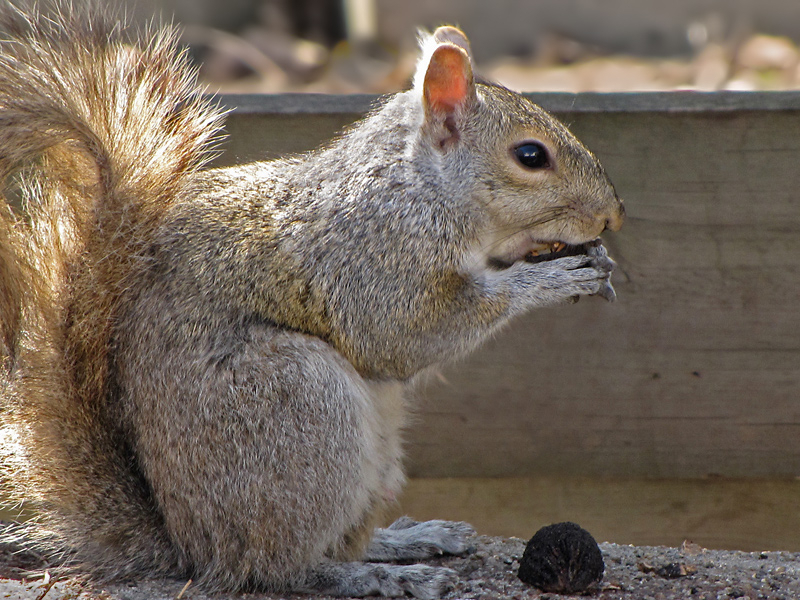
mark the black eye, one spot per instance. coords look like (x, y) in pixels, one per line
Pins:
(532, 156)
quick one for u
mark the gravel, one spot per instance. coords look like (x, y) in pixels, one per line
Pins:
(631, 572)
(641, 573)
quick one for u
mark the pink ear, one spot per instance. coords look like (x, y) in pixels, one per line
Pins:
(448, 81)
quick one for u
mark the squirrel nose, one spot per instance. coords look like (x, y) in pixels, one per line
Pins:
(614, 222)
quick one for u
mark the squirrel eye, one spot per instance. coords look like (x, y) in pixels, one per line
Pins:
(532, 155)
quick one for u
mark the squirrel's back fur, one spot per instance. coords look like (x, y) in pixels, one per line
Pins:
(105, 133)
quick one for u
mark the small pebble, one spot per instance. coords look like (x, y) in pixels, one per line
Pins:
(562, 559)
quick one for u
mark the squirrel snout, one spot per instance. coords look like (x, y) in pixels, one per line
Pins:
(614, 221)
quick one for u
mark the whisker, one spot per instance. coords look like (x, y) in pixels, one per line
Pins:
(542, 218)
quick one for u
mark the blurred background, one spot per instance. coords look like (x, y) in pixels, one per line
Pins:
(344, 46)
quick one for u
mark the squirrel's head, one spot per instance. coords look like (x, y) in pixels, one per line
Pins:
(539, 186)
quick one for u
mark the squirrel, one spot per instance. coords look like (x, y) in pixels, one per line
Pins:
(205, 372)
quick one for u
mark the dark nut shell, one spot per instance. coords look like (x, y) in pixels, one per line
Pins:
(563, 559)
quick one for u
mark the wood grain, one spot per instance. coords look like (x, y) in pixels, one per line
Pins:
(742, 514)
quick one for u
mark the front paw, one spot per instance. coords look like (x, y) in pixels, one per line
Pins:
(566, 279)
(602, 262)
(586, 274)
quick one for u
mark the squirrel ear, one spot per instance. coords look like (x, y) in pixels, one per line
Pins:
(446, 77)
(453, 35)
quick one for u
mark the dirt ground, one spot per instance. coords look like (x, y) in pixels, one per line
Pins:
(640, 573)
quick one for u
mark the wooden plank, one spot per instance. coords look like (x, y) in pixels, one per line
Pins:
(696, 369)
(745, 514)
(325, 105)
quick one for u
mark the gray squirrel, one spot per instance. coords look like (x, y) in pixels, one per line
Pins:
(204, 372)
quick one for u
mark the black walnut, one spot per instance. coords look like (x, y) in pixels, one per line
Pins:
(562, 559)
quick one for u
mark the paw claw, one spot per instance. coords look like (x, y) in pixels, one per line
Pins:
(607, 292)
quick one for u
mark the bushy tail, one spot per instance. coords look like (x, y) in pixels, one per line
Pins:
(101, 134)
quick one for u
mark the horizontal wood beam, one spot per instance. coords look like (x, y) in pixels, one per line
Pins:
(741, 514)
(557, 102)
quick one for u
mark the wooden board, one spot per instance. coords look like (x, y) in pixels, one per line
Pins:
(696, 369)
(742, 514)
